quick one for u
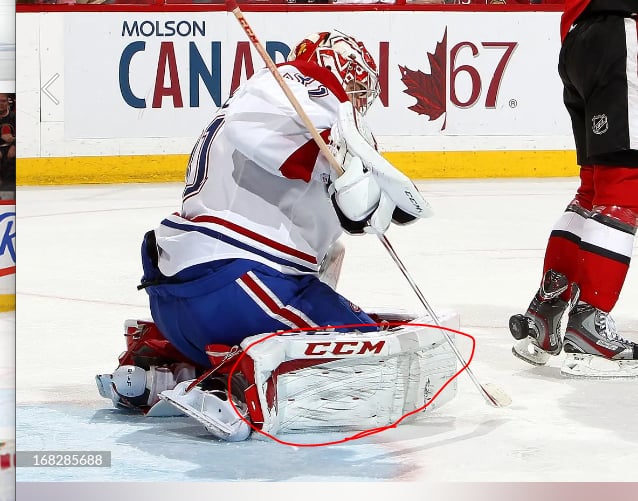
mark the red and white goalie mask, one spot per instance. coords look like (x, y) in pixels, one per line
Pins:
(347, 59)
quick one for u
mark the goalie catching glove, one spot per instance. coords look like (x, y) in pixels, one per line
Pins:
(371, 193)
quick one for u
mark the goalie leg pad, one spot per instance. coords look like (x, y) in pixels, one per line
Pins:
(324, 381)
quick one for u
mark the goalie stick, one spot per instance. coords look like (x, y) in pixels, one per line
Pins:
(491, 393)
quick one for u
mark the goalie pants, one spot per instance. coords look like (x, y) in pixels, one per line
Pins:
(223, 302)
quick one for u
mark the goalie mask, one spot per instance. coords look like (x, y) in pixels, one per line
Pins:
(347, 59)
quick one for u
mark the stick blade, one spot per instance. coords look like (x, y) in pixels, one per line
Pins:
(496, 396)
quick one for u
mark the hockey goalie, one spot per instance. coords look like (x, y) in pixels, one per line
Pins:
(248, 331)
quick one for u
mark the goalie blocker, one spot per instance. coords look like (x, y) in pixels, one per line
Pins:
(304, 382)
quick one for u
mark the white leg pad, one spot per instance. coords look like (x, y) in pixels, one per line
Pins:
(322, 381)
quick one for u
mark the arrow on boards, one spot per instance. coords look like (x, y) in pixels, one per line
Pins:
(45, 88)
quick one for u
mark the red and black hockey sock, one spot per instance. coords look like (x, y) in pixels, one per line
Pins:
(608, 235)
(563, 247)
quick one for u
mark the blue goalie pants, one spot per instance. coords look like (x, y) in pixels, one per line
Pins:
(223, 302)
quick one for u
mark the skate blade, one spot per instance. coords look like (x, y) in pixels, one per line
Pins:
(217, 415)
(529, 352)
(578, 365)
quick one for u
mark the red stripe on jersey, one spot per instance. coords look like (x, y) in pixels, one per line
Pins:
(255, 236)
(265, 296)
(301, 163)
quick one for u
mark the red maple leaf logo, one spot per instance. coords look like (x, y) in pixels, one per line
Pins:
(428, 89)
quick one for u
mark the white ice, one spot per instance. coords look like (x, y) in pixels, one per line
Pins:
(481, 255)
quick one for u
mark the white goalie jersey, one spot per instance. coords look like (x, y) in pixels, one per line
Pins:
(256, 182)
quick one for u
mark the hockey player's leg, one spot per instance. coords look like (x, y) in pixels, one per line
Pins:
(260, 300)
(538, 330)
(325, 381)
(593, 346)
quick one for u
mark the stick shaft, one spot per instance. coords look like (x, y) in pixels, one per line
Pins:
(486, 395)
(323, 147)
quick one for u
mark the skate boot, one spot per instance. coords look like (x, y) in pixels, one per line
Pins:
(594, 348)
(538, 330)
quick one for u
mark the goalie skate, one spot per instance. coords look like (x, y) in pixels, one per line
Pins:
(212, 409)
(580, 365)
(327, 381)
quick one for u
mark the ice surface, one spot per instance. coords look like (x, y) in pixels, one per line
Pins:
(481, 255)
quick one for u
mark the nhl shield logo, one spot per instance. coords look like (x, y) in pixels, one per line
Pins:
(599, 124)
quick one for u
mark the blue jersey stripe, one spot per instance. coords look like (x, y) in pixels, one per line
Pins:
(236, 243)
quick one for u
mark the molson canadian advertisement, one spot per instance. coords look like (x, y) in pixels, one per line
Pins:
(163, 74)
(463, 94)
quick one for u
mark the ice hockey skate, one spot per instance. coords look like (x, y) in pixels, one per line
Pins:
(538, 330)
(594, 348)
(303, 382)
(223, 414)
(325, 381)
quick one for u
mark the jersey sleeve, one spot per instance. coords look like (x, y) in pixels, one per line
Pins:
(262, 124)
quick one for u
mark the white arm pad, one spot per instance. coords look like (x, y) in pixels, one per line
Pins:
(356, 191)
(395, 184)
